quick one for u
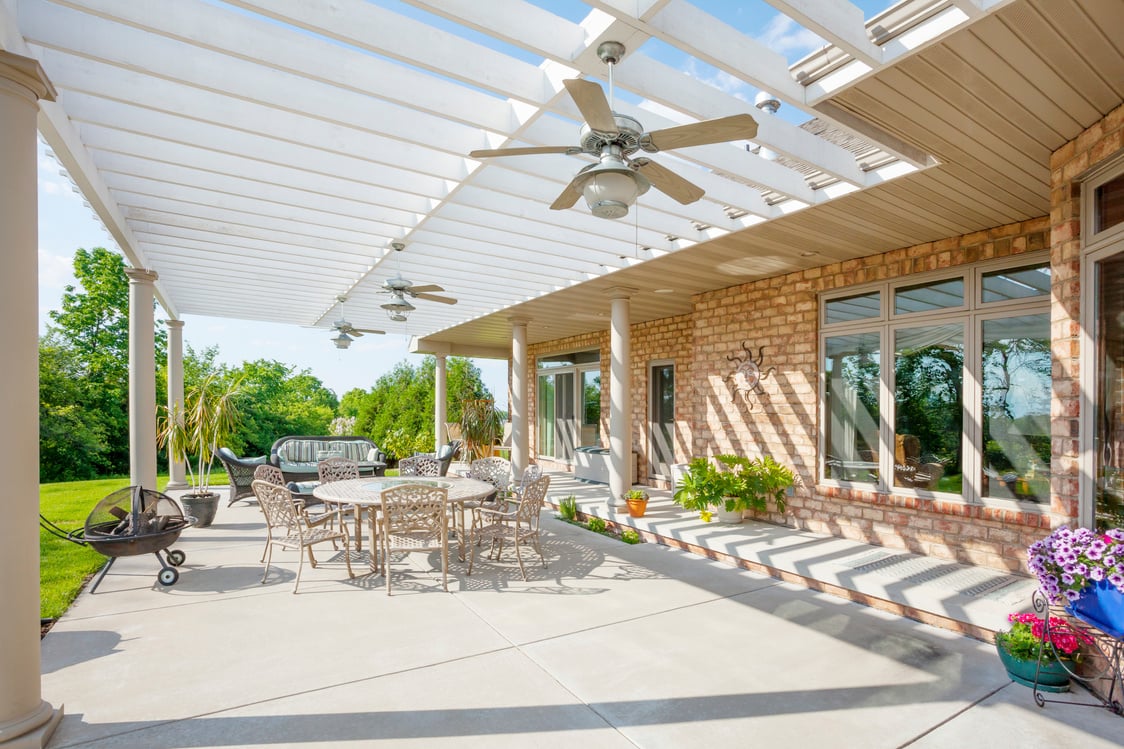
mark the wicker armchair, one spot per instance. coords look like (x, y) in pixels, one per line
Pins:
(239, 472)
(516, 526)
(288, 526)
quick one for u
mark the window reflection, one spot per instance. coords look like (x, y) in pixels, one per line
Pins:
(852, 367)
(928, 415)
(1015, 370)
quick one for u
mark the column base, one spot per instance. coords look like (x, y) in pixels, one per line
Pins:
(32, 732)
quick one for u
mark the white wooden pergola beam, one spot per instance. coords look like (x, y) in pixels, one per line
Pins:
(413, 42)
(838, 21)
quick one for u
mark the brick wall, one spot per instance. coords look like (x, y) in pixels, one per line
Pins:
(1094, 146)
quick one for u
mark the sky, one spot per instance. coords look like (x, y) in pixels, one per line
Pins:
(65, 224)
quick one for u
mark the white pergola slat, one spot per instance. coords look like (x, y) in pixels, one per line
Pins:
(246, 143)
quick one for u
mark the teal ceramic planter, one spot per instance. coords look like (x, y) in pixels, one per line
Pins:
(1052, 677)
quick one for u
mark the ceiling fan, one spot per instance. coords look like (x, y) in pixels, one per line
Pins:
(612, 184)
(399, 288)
(345, 331)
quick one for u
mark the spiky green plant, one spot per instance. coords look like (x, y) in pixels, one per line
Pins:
(193, 432)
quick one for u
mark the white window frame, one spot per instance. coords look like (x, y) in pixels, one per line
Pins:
(971, 315)
(1096, 247)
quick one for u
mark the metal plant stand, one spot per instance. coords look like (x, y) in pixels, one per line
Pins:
(1102, 661)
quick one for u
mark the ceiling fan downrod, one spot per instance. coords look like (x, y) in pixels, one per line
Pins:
(610, 54)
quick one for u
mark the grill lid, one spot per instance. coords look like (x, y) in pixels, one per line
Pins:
(133, 511)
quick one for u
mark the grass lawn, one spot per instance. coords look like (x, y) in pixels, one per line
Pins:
(63, 566)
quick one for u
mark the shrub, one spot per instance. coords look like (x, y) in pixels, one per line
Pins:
(568, 508)
(597, 525)
(630, 536)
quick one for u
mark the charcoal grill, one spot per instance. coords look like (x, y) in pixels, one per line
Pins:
(130, 522)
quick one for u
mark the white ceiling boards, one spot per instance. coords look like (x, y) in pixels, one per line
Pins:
(255, 151)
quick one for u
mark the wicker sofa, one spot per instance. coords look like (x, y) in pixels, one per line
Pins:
(298, 456)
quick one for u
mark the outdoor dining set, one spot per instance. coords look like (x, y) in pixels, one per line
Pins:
(418, 510)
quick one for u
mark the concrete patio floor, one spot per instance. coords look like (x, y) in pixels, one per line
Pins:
(610, 646)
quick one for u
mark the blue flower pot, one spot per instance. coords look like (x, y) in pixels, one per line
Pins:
(1102, 606)
(1052, 677)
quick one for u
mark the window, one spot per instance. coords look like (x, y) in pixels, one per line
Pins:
(959, 404)
(569, 403)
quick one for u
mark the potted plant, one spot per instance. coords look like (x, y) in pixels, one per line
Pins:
(637, 501)
(701, 488)
(1084, 569)
(192, 434)
(1023, 645)
(481, 426)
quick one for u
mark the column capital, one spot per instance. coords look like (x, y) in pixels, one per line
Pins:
(24, 76)
(141, 275)
(174, 323)
(516, 320)
(621, 292)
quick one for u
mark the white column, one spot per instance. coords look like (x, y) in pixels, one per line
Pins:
(25, 719)
(620, 397)
(142, 378)
(177, 471)
(440, 402)
(520, 453)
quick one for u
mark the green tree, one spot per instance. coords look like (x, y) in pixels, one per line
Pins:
(276, 400)
(93, 327)
(397, 413)
(72, 444)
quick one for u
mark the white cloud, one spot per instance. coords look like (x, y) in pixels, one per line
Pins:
(784, 36)
(720, 79)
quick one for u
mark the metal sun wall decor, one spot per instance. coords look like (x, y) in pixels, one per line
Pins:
(746, 378)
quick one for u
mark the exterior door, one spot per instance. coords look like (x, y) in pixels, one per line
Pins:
(662, 420)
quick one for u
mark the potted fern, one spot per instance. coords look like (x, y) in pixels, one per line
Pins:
(192, 432)
(735, 485)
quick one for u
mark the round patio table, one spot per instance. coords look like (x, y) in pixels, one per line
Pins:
(366, 494)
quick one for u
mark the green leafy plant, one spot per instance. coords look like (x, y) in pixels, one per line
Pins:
(194, 431)
(630, 536)
(568, 508)
(636, 494)
(597, 525)
(481, 426)
(738, 483)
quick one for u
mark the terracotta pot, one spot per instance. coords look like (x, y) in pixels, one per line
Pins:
(1052, 676)
(637, 507)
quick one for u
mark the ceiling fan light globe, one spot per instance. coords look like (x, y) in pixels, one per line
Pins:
(609, 190)
(396, 316)
(342, 341)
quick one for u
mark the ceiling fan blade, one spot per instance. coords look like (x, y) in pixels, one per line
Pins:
(522, 151)
(568, 197)
(424, 289)
(592, 104)
(668, 182)
(435, 298)
(734, 127)
(360, 331)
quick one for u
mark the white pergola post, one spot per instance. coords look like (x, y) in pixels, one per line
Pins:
(26, 720)
(142, 378)
(440, 401)
(177, 471)
(620, 397)
(520, 453)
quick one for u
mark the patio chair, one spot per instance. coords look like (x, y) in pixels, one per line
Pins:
(268, 473)
(909, 470)
(288, 526)
(422, 464)
(414, 518)
(518, 526)
(340, 469)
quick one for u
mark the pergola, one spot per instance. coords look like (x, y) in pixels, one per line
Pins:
(257, 160)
